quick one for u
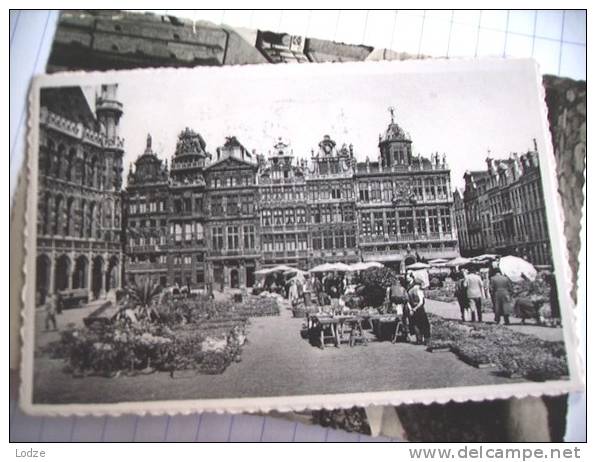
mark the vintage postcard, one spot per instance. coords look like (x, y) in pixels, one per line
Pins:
(258, 238)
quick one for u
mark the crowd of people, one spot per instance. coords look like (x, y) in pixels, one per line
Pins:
(404, 297)
(471, 289)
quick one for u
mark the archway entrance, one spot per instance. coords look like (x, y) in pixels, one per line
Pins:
(42, 278)
(234, 279)
(250, 276)
(79, 276)
(112, 274)
(61, 275)
(96, 277)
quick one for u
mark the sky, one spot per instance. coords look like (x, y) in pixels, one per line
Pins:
(460, 108)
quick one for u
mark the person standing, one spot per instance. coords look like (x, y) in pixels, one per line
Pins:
(419, 318)
(475, 292)
(318, 289)
(500, 294)
(51, 309)
(461, 295)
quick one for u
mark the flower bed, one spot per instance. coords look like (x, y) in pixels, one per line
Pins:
(514, 354)
(201, 334)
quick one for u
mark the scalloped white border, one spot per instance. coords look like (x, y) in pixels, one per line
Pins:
(300, 403)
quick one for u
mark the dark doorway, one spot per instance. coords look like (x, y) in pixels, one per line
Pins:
(61, 276)
(218, 277)
(234, 279)
(42, 278)
(79, 276)
(250, 276)
(96, 277)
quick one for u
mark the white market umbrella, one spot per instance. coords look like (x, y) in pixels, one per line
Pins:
(322, 268)
(341, 267)
(438, 262)
(275, 269)
(418, 266)
(516, 268)
(486, 256)
(458, 261)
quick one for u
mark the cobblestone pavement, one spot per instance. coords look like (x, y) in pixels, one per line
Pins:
(451, 311)
(276, 361)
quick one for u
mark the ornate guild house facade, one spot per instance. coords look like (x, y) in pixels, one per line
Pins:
(79, 226)
(216, 219)
(502, 210)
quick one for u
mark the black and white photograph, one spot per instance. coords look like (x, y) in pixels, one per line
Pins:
(294, 237)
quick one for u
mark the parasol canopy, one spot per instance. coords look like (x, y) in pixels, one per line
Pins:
(275, 269)
(516, 268)
(341, 267)
(362, 266)
(438, 262)
(458, 261)
(486, 256)
(321, 268)
(418, 266)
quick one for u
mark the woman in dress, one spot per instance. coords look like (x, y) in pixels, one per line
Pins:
(418, 317)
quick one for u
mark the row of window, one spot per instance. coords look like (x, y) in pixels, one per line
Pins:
(69, 216)
(233, 205)
(232, 181)
(334, 239)
(284, 242)
(408, 221)
(68, 167)
(288, 193)
(231, 237)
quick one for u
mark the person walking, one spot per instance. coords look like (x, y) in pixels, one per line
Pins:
(51, 308)
(461, 295)
(500, 294)
(419, 318)
(475, 292)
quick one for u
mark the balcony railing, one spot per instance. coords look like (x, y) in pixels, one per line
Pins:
(232, 252)
(407, 237)
(281, 228)
(146, 266)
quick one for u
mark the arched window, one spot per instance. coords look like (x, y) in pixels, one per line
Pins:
(93, 173)
(83, 228)
(70, 163)
(57, 229)
(91, 220)
(59, 160)
(69, 216)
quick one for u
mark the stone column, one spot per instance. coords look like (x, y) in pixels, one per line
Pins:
(69, 272)
(242, 275)
(89, 275)
(52, 273)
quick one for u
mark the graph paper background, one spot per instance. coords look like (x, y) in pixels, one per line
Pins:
(555, 38)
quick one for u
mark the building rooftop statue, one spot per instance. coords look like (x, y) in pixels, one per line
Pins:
(190, 143)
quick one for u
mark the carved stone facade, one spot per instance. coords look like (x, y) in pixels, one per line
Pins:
(79, 226)
(230, 214)
(505, 210)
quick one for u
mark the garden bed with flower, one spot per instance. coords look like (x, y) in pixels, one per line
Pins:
(513, 354)
(153, 333)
